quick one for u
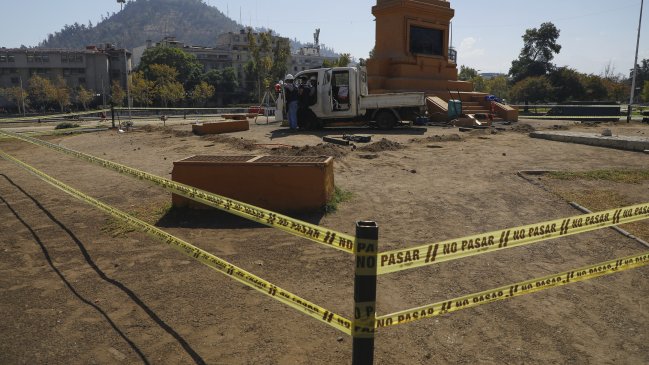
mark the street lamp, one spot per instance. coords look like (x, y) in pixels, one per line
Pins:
(635, 66)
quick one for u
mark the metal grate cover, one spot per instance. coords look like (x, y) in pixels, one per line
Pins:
(293, 159)
(209, 158)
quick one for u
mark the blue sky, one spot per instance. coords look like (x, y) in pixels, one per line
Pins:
(486, 34)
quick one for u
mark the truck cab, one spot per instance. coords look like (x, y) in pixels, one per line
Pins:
(341, 94)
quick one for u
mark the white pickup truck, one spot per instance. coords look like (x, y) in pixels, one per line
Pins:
(341, 95)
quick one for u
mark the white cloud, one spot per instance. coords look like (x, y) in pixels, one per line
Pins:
(468, 48)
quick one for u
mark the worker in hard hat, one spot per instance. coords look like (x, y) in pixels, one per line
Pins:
(313, 90)
(290, 92)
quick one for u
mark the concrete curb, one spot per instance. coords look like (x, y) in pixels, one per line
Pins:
(628, 143)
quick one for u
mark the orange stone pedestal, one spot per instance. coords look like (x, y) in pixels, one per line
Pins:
(287, 184)
(412, 53)
(221, 127)
(412, 48)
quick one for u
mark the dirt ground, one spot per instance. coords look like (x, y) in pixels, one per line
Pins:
(79, 288)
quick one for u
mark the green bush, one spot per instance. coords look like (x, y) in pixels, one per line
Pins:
(66, 125)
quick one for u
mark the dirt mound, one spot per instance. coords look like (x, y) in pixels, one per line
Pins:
(523, 128)
(238, 143)
(167, 130)
(382, 145)
(439, 138)
(321, 149)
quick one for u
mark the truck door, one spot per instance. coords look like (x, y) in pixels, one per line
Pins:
(343, 93)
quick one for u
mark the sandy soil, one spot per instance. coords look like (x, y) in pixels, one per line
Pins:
(79, 288)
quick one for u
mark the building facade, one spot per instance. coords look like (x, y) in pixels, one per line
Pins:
(93, 68)
(232, 50)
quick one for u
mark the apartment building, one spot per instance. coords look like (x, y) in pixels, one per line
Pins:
(232, 50)
(94, 68)
(211, 58)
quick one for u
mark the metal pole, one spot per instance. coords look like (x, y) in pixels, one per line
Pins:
(128, 89)
(366, 252)
(22, 95)
(635, 66)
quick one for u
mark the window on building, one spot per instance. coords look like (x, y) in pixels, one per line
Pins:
(82, 80)
(3, 58)
(38, 58)
(426, 41)
(46, 58)
(66, 72)
(64, 58)
(30, 58)
(15, 80)
(11, 58)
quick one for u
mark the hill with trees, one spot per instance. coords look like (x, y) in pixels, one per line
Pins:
(190, 21)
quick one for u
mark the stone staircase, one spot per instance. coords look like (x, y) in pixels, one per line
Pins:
(473, 107)
(472, 103)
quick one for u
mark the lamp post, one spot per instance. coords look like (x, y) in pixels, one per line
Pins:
(128, 89)
(22, 95)
(635, 67)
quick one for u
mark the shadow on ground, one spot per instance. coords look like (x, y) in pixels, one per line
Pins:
(211, 218)
(338, 131)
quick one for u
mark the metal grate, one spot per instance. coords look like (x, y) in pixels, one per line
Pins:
(293, 159)
(207, 158)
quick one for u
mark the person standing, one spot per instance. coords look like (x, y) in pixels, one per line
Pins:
(290, 92)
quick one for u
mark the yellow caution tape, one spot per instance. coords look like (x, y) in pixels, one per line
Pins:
(341, 323)
(410, 258)
(285, 223)
(514, 290)
(54, 132)
(52, 116)
(569, 117)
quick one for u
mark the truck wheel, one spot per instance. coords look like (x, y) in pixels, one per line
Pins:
(385, 119)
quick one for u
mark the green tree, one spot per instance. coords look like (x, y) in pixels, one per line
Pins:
(539, 47)
(61, 93)
(142, 90)
(162, 74)
(266, 63)
(479, 84)
(224, 80)
(645, 92)
(170, 93)
(281, 54)
(17, 96)
(498, 86)
(117, 94)
(41, 91)
(202, 93)
(344, 60)
(166, 86)
(187, 66)
(568, 84)
(532, 89)
(84, 96)
(643, 72)
(467, 73)
(614, 82)
(594, 87)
